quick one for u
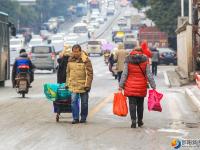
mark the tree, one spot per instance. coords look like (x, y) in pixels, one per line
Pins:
(164, 13)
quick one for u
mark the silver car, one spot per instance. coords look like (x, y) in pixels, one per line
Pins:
(43, 57)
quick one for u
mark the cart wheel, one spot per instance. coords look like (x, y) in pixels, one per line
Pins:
(57, 118)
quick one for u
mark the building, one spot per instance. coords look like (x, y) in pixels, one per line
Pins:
(27, 2)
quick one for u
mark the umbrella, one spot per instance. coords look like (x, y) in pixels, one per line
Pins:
(107, 46)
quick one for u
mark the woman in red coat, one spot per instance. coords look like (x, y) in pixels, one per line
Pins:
(134, 82)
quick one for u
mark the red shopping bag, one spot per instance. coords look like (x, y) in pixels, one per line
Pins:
(120, 107)
(154, 101)
(197, 78)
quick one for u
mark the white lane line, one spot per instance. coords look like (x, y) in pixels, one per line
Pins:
(167, 82)
(193, 98)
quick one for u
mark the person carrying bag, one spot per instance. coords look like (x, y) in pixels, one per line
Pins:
(134, 80)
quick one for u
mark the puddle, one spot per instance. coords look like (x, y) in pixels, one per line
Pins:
(183, 133)
(178, 124)
(192, 125)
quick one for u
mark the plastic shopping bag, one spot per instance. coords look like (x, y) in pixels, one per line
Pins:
(119, 105)
(154, 101)
(197, 78)
(50, 91)
(62, 92)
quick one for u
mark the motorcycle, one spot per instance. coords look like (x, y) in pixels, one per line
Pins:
(23, 80)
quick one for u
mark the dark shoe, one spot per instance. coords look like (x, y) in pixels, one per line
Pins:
(75, 121)
(83, 121)
(140, 123)
(133, 125)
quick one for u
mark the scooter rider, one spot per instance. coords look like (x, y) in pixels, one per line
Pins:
(22, 60)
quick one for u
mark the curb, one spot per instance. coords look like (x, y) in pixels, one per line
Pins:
(167, 81)
(193, 98)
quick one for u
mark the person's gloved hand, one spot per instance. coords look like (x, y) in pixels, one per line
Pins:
(87, 89)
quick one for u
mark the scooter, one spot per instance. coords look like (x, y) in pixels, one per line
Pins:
(23, 80)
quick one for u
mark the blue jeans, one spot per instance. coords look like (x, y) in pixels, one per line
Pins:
(84, 105)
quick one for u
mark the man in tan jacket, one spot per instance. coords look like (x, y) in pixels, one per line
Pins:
(120, 56)
(79, 81)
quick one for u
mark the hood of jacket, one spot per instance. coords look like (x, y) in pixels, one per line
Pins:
(82, 58)
(136, 57)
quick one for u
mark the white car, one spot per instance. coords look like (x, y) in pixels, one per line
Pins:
(93, 17)
(100, 20)
(36, 36)
(58, 42)
(95, 24)
(95, 12)
(15, 46)
(71, 42)
(71, 36)
(35, 42)
(91, 28)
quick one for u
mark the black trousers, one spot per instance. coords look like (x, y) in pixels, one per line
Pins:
(154, 68)
(136, 105)
(119, 75)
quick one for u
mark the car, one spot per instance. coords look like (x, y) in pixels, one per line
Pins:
(71, 36)
(95, 12)
(105, 17)
(15, 45)
(100, 20)
(85, 19)
(43, 57)
(94, 47)
(167, 56)
(93, 17)
(127, 14)
(58, 42)
(91, 28)
(110, 11)
(35, 41)
(70, 42)
(60, 19)
(44, 34)
(36, 36)
(95, 24)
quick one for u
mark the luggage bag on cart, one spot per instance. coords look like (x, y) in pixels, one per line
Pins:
(60, 96)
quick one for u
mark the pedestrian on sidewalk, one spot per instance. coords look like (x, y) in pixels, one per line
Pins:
(134, 82)
(62, 64)
(120, 56)
(155, 60)
(79, 81)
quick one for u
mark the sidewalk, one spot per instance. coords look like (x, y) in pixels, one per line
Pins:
(193, 93)
(191, 89)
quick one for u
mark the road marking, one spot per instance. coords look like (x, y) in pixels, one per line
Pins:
(99, 106)
(167, 82)
(193, 98)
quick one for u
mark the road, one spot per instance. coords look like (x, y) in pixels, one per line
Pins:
(30, 124)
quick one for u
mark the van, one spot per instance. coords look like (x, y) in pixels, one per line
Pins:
(43, 57)
(94, 47)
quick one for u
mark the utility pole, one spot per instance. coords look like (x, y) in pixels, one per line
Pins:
(182, 8)
(190, 11)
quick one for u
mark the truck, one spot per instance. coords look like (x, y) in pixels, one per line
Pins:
(130, 42)
(153, 36)
(94, 4)
(81, 10)
(135, 22)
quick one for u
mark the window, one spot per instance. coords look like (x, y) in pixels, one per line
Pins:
(41, 50)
